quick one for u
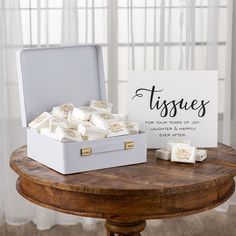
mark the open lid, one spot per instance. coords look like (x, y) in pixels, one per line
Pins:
(52, 76)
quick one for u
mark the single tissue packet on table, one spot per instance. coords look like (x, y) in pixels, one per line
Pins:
(183, 153)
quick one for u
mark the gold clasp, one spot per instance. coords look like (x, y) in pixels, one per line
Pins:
(129, 145)
(87, 151)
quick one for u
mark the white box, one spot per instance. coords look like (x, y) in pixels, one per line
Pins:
(52, 76)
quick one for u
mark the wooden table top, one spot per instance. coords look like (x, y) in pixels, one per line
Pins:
(155, 176)
(156, 189)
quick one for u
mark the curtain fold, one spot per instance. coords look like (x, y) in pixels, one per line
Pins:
(69, 34)
(228, 126)
(12, 206)
(212, 34)
(190, 34)
(112, 53)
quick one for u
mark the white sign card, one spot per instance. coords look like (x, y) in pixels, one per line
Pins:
(172, 105)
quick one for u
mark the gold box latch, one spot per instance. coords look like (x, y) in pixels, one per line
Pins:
(87, 151)
(129, 145)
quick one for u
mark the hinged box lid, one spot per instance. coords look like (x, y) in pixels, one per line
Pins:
(52, 76)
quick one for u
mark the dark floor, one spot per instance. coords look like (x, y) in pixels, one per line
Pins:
(210, 223)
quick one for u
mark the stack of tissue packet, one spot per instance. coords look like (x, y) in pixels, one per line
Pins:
(181, 151)
(67, 123)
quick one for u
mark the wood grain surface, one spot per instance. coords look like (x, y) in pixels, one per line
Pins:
(127, 196)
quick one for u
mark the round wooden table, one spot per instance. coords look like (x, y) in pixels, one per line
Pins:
(127, 196)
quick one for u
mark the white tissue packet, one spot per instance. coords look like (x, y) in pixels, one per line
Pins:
(72, 122)
(183, 153)
(201, 155)
(62, 111)
(48, 133)
(116, 128)
(101, 106)
(42, 121)
(55, 122)
(83, 113)
(67, 135)
(89, 129)
(133, 127)
(163, 154)
(102, 119)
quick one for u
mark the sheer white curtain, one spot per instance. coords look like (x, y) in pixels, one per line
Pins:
(13, 208)
(10, 131)
(135, 35)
